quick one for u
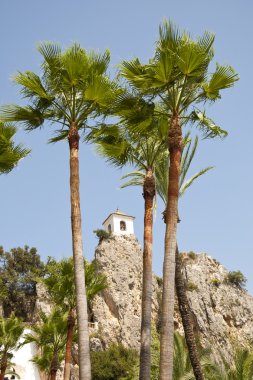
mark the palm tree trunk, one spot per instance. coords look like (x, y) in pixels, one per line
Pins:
(68, 355)
(54, 366)
(186, 319)
(81, 300)
(145, 352)
(167, 317)
(3, 366)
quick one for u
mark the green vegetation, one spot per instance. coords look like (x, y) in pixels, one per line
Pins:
(11, 330)
(215, 281)
(192, 255)
(102, 234)
(20, 270)
(190, 286)
(50, 337)
(10, 154)
(236, 278)
(116, 363)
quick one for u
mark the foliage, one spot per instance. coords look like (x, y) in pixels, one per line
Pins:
(19, 271)
(73, 86)
(190, 286)
(60, 281)
(10, 154)
(116, 363)
(192, 255)
(50, 337)
(215, 281)
(236, 278)
(11, 330)
(102, 234)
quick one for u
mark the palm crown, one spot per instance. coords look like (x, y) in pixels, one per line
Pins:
(73, 87)
(10, 154)
(178, 77)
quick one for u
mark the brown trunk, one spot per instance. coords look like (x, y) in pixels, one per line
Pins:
(186, 319)
(54, 366)
(68, 355)
(145, 351)
(3, 366)
(167, 317)
(81, 300)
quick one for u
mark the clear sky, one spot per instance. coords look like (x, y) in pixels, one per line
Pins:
(216, 212)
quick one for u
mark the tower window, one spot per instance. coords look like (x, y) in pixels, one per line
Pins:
(109, 228)
(122, 225)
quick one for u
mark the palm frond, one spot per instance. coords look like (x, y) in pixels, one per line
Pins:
(185, 185)
(223, 77)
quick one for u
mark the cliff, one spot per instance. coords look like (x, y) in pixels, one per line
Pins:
(222, 313)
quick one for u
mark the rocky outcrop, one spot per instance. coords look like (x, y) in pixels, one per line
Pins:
(222, 313)
(118, 308)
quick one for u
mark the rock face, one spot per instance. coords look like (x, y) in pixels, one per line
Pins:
(222, 312)
(118, 308)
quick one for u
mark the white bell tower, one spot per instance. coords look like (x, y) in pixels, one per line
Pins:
(119, 223)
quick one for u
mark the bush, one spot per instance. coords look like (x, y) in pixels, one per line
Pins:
(190, 286)
(236, 278)
(102, 234)
(215, 282)
(192, 255)
(116, 363)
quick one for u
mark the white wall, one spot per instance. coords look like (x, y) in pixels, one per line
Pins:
(114, 220)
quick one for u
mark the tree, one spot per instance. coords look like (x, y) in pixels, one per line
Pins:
(178, 76)
(116, 363)
(19, 272)
(10, 154)
(120, 146)
(73, 88)
(50, 337)
(184, 308)
(59, 280)
(11, 330)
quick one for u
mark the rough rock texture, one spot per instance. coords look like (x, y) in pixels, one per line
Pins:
(118, 308)
(42, 303)
(222, 312)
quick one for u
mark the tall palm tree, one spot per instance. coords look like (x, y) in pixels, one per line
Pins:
(120, 146)
(60, 284)
(72, 88)
(50, 337)
(162, 186)
(178, 76)
(10, 154)
(161, 179)
(11, 330)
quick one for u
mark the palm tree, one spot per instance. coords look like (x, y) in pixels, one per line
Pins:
(72, 88)
(178, 76)
(60, 283)
(120, 146)
(161, 179)
(10, 154)
(50, 337)
(11, 330)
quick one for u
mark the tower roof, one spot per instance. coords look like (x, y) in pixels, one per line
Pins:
(118, 212)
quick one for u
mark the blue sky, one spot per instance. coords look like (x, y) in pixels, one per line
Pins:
(216, 212)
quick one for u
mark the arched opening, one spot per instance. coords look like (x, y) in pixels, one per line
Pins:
(109, 228)
(122, 225)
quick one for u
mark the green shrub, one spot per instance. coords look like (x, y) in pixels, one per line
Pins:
(159, 281)
(102, 234)
(190, 286)
(116, 363)
(236, 278)
(192, 255)
(215, 282)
